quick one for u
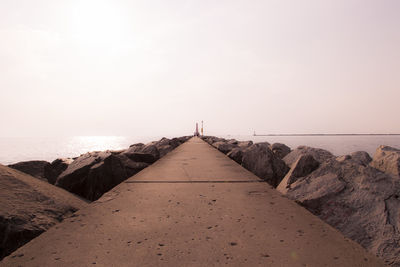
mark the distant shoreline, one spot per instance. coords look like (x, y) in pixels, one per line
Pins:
(325, 134)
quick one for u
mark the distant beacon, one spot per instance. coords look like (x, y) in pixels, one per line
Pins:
(196, 133)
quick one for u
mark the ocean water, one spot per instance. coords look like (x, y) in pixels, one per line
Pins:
(18, 149)
(338, 145)
(13, 150)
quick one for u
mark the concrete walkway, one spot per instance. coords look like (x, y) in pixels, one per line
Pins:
(194, 207)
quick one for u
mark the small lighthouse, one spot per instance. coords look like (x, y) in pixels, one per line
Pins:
(196, 133)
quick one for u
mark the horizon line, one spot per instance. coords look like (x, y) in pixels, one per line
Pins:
(331, 134)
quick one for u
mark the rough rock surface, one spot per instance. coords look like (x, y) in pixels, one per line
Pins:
(224, 147)
(304, 165)
(244, 144)
(236, 154)
(280, 150)
(84, 175)
(34, 168)
(213, 139)
(387, 159)
(233, 142)
(94, 173)
(140, 157)
(53, 170)
(261, 161)
(166, 145)
(28, 207)
(361, 157)
(358, 200)
(319, 154)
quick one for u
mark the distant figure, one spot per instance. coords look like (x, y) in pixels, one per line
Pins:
(196, 133)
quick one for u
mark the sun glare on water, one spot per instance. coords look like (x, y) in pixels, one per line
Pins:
(97, 143)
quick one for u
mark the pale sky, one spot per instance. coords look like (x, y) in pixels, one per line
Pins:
(114, 67)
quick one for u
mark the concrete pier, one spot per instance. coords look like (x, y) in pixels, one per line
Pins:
(194, 207)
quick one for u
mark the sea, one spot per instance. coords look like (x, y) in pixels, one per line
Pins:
(16, 149)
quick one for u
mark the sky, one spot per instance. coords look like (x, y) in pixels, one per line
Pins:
(155, 67)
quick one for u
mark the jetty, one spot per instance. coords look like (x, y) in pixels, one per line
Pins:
(193, 207)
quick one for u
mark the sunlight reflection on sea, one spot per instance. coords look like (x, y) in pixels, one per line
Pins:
(17, 149)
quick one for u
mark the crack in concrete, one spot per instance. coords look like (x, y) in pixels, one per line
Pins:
(193, 181)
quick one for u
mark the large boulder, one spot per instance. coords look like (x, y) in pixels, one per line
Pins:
(131, 166)
(136, 146)
(224, 147)
(358, 200)
(212, 139)
(244, 144)
(261, 161)
(280, 150)
(236, 154)
(387, 159)
(360, 157)
(318, 154)
(140, 157)
(233, 141)
(152, 149)
(93, 174)
(135, 153)
(304, 165)
(53, 170)
(183, 139)
(34, 168)
(29, 207)
(165, 145)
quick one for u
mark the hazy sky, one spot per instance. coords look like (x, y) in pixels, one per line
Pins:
(112, 67)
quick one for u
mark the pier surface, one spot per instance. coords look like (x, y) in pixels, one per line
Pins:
(193, 207)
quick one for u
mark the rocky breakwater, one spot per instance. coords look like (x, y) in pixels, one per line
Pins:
(356, 194)
(28, 207)
(263, 159)
(32, 204)
(92, 174)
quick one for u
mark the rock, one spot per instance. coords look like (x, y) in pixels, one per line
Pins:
(92, 174)
(233, 142)
(387, 160)
(280, 150)
(304, 165)
(358, 200)
(213, 139)
(361, 157)
(29, 207)
(53, 170)
(319, 154)
(183, 139)
(261, 161)
(236, 154)
(132, 167)
(136, 146)
(244, 144)
(224, 147)
(322, 188)
(165, 145)
(151, 149)
(34, 168)
(141, 157)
